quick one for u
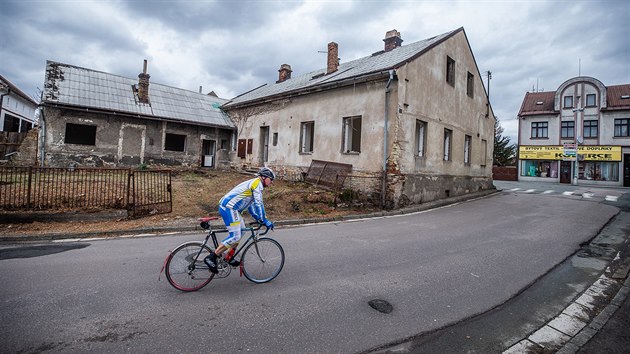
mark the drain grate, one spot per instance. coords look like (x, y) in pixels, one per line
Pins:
(381, 305)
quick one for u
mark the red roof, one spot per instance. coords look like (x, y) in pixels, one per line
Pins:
(614, 97)
(537, 103)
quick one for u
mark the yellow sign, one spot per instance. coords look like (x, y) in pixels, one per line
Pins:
(590, 153)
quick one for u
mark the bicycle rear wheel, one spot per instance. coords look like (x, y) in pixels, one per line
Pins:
(262, 260)
(185, 269)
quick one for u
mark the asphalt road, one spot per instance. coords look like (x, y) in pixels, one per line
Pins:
(435, 268)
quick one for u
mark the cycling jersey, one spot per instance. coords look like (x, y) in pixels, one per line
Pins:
(246, 195)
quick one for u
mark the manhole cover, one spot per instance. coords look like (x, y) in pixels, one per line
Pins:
(381, 305)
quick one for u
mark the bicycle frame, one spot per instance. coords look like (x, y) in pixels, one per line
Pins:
(253, 237)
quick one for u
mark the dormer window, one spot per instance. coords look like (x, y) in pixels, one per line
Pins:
(625, 97)
(568, 102)
(539, 103)
(590, 100)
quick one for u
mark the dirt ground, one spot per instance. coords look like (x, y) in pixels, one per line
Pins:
(196, 194)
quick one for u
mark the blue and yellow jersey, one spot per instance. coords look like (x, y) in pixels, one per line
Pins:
(247, 195)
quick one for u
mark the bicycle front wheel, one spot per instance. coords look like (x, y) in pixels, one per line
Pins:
(262, 260)
(185, 269)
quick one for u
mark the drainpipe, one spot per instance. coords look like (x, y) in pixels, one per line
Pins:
(385, 131)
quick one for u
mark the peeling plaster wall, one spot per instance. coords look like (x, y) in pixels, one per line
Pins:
(125, 141)
(420, 92)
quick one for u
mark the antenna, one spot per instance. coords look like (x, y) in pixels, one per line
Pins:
(579, 66)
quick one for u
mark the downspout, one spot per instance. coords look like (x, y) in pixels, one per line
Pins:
(385, 133)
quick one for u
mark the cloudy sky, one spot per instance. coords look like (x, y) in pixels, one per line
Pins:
(233, 46)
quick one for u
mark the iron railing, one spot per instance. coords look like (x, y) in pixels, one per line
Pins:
(47, 188)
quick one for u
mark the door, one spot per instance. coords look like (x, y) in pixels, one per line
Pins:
(264, 146)
(565, 172)
(626, 170)
(207, 153)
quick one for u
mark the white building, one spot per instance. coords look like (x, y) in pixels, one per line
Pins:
(582, 116)
(17, 110)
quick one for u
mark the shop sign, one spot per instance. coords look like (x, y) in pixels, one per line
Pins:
(586, 153)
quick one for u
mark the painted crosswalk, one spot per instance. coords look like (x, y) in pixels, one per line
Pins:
(575, 193)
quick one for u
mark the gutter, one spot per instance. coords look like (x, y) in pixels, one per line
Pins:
(42, 138)
(385, 134)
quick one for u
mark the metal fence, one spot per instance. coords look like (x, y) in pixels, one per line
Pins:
(46, 188)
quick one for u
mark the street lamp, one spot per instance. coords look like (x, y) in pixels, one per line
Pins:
(578, 139)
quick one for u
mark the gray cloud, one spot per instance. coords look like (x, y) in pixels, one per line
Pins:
(233, 46)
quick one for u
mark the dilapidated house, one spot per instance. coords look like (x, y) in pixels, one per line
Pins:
(92, 118)
(409, 123)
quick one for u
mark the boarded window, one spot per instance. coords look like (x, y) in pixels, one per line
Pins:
(175, 142)
(80, 134)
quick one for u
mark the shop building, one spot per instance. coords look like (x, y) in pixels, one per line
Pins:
(578, 134)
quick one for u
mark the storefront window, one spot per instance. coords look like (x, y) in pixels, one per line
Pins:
(599, 171)
(539, 168)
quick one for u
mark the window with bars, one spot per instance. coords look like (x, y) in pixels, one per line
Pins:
(540, 129)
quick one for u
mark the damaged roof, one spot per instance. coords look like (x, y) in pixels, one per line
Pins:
(76, 87)
(376, 63)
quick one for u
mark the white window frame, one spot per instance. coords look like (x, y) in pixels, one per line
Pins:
(421, 138)
(467, 146)
(352, 127)
(307, 137)
(448, 139)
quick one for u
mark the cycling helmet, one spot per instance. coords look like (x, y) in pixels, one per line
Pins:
(267, 172)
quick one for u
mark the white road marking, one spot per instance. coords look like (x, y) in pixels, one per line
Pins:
(515, 189)
(530, 191)
(611, 198)
(588, 195)
(567, 193)
(547, 191)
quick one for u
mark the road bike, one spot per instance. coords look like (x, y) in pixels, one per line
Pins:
(262, 258)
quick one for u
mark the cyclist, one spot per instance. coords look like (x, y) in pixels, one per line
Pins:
(246, 195)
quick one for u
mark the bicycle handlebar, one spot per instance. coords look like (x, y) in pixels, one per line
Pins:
(260, 225)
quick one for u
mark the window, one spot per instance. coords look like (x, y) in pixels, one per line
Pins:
(224, 144)
(539, 129)
(568, 102)
(599, 171)
(306, 136)
(539, 168)
(448, 134)
(11, 123)
(590, 129)
(352, 134)
(567, 129)
(467, 143)
(421, 134)
(80, 134)
(622, 127)
(175, 142)
(450, 71)
(470, 85)
(275, 139)
(590, 100)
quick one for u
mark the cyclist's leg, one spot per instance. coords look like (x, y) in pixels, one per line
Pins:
(232, 219)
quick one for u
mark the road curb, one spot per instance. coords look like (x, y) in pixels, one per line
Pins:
(158, 230)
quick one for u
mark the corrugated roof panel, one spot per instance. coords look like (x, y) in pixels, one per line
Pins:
(71, 85)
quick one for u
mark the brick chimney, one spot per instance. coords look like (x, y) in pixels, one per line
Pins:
(392, 40)
(284, 73)
(333, 57)
(143, 85)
